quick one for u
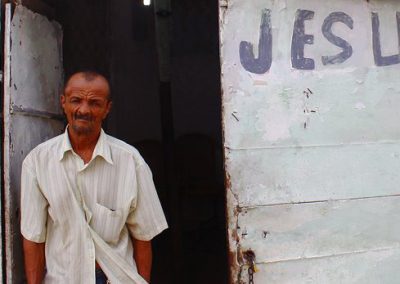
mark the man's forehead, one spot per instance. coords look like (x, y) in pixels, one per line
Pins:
(80, 81)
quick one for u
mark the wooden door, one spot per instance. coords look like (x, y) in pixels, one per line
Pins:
(33, 80)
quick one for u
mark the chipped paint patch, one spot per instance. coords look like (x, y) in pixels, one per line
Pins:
(360, 106)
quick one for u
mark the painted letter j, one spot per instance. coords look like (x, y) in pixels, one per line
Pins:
(261, 64)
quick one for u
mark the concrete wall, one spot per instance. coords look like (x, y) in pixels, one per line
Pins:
(311, 100)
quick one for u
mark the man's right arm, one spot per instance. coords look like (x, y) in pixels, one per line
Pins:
(34, 207)
(34, 261)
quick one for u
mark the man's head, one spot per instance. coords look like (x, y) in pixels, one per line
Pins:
(86, 102)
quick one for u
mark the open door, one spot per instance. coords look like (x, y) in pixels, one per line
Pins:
(33, 80)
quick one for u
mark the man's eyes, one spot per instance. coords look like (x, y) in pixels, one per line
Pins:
(95, 103)
(74, 100)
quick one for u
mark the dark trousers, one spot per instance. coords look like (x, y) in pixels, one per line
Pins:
(101, 278)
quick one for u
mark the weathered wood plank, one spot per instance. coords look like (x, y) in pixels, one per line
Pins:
(273, 176)
(309, 230)
(360, 268)
(5, 254)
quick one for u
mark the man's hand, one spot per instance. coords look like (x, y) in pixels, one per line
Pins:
(34, 261)
(143, 257)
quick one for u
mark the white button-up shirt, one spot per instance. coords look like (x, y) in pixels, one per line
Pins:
(87, 212)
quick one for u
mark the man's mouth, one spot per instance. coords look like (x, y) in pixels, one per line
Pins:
(87, 118)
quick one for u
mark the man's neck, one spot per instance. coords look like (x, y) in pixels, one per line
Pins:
(83, 144)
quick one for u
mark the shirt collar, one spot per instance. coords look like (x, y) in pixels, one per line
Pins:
(102, 148)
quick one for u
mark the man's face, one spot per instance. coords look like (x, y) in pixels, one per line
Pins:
(86, 104)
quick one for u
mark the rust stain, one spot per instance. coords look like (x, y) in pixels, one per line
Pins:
(234, 235)
(249, 255)
(228, 183)
(233, 268)
(235, 260)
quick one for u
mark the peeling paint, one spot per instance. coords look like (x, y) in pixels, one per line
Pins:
(360, 106)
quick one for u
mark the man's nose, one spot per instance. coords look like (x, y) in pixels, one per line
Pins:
(84, 108)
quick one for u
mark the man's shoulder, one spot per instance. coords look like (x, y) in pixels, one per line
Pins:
(124, 148)
(50, 146)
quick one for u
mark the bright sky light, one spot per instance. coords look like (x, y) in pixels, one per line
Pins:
(146, 2)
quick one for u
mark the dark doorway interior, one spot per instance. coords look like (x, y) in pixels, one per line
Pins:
(119, 39)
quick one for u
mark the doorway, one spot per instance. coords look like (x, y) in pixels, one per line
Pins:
(175, 123)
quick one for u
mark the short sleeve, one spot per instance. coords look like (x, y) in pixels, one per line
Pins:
(146, 218)
(33, 206)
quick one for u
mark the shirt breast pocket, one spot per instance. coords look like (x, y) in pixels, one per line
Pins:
(107, 223)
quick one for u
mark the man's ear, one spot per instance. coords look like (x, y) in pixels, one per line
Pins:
(62, 100)
(109, 106)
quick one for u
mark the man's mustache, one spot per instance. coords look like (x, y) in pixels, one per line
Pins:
(86, 117)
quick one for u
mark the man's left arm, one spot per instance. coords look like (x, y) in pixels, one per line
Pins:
(143, 257)
(145, 220)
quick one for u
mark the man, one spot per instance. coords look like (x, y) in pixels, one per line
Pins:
(88, 204)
